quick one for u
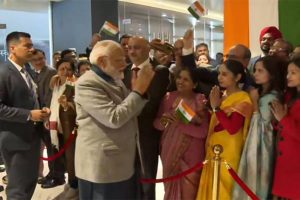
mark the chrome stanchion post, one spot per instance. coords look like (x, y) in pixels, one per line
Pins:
(218, 149)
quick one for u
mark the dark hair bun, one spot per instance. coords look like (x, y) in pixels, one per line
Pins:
(236, 68)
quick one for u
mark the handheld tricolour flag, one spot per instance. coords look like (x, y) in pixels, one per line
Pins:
(185, 112)
(197, 10)
(109, 29)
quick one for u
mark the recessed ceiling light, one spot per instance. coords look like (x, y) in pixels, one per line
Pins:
(164, 15)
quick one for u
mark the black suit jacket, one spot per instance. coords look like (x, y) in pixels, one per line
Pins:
(127, 76)
(155, 92)
(16, 102)
(43, 81)
(207, 78)
(149, 137)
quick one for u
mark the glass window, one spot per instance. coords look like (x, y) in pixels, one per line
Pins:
(170, 25)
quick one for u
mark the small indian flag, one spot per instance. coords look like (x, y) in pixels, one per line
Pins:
(197, 10)
(185, 112)
(109, 29)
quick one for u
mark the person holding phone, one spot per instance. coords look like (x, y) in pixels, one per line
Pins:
(62, 124)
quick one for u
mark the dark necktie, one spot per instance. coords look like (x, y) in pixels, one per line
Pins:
(36, 76)
(135, 71)
(31, 88)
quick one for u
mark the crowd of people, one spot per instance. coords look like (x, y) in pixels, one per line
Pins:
(105, 118)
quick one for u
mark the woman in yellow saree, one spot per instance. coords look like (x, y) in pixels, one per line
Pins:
(228, 127)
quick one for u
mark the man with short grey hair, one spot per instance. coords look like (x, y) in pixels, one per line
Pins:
(107, 134)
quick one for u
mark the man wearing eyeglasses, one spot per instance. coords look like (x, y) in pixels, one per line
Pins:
(42, 75)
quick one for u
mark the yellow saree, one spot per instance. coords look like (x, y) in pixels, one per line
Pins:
(232, 144)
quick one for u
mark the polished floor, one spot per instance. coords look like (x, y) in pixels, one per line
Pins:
(39, 194)
(49, 194)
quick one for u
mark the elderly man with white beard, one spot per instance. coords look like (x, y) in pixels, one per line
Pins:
(107, 132)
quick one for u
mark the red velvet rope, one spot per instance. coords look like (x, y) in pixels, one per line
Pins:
(241, 183)
(62, 151)
(173, 178)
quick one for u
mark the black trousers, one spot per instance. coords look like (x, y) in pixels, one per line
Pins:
(1, 159)
(56, 167)
(65, 163)
(22, 167)
(149, 144)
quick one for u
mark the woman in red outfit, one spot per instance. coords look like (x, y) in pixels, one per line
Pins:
(287, 169)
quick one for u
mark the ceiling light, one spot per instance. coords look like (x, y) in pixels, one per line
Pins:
(172, 21)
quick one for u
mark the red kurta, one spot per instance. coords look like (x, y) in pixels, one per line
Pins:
(287, 170)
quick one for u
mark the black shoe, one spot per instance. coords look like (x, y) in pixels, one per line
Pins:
(2, 169)
(44, 179)
(5, 179)
(50, 183)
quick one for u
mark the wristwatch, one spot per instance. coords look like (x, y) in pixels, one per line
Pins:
(216, 109)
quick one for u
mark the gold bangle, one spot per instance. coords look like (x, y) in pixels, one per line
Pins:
(164, 122)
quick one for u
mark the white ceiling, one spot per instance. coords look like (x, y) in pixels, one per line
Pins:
(177, 13)
(174, 9)
(214, 7)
